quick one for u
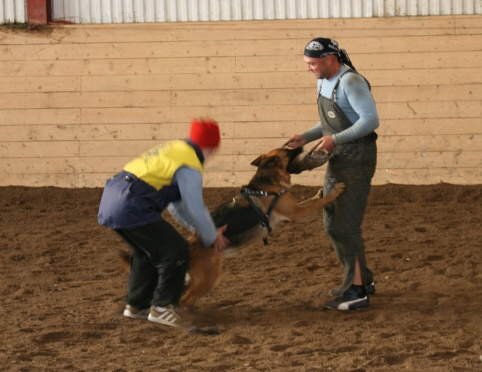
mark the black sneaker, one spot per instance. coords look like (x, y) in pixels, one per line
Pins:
(355, 298)
(337, 292)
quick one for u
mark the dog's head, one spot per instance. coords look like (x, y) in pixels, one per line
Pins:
(277, 158)
(273, 166)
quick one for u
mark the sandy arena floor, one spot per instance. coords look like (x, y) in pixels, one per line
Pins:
(62, 291)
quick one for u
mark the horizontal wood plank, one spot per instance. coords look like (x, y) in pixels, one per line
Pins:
(226, 48)
(111, 132)
(423, 144)
(275, 96)
(257, 146)
(72, 180)
(66, 165)
(181, 114)
(398, 160)
(158, 66)
(34, 100)
(269, 80)
(230, 64)
(367, 61)
(388, 127)
(241, 163)
(458, 176)
(42, 68)
(274, 29)
(46, 149)
(389, 111)
(216, 97)
(241, 97)
(40, 116)
(423, 176)
(40, 84)
(280, 130)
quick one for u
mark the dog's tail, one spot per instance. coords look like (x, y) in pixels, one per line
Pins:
(125, 259)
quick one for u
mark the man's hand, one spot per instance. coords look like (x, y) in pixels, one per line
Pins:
(325, 143)
(296, 141)
(221, 242)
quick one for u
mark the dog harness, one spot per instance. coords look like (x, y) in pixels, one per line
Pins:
(264, 217)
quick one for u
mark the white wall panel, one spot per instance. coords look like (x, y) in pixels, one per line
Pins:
(12, 11)
(143, 11)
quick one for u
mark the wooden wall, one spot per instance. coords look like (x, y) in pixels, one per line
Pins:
(78, 102)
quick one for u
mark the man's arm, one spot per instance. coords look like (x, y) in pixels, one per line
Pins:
(364, 113)
(194, 211)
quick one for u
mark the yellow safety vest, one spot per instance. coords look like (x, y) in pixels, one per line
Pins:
(157, 166)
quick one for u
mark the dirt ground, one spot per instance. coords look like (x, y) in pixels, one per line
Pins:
(62, 291)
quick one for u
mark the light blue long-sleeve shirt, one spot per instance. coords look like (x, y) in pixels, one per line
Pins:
(355, 100)
(190, 210)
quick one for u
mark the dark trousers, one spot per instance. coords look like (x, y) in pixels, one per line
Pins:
(343, 219)
(159, 261)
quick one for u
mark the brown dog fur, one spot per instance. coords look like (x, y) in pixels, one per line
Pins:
(271, 176)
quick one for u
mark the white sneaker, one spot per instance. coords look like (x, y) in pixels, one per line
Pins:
(132, 312)
(165, 315)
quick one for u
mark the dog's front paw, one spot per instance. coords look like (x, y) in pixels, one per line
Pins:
(318, 195)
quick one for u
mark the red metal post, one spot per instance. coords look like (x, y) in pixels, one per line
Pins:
(38, 12)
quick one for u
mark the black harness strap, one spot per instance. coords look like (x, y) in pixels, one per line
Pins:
(264, 217)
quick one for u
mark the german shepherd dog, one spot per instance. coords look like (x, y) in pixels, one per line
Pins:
(261, 206)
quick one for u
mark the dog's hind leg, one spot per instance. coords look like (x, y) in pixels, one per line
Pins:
(204, 270)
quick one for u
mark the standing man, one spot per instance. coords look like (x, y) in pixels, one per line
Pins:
(348, 118)
(132, 202)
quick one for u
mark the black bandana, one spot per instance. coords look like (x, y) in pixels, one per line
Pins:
(322, 47)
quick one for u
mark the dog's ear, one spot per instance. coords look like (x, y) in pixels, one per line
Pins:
(257, 161)
(269, 162)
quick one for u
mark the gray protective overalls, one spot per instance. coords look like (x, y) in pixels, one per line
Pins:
(353, 164)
